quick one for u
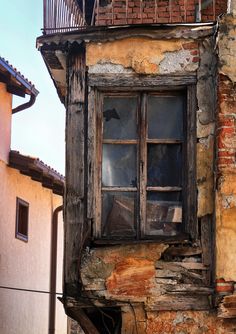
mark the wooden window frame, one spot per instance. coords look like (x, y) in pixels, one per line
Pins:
(21, 203)
(111, 85)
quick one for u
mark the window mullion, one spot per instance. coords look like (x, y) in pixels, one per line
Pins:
(143, 163)
(99, 133)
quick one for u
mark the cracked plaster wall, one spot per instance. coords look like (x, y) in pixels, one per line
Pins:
(226, 150)
(106, 272)
(141, 55)
(146, 56)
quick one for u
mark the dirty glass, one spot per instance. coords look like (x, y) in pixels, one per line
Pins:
(119, 165)
(119, 214)
(164, 214)
(164, 165)
(165, 117)
(120, 118)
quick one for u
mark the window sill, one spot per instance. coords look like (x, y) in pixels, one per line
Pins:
(182, 238)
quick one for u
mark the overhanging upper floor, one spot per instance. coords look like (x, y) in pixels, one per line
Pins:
(70, 15)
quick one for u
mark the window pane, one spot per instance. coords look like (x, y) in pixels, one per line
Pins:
(164, 215)
(164, 165)
(120, 118)
(165, 117)
(118, 214)
(23, 220)
(119, 165)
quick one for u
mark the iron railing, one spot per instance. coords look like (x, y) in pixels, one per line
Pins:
(62, 16)
(69, 15)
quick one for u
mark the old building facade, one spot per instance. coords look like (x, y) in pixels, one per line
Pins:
(150, 199)
(30, 194)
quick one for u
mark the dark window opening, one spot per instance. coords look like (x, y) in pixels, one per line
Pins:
(22, 217)
(106, 320)
(144, 159)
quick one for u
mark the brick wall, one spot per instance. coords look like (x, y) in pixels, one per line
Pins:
(226, 130)
(118, 12)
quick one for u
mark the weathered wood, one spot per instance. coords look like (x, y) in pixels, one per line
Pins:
(91, 155)
(138, 82)
(190, 161)
(207, 246)
(83, 320)
(164, 141)
(98, 166)
(143, 166)
(191, 265)
(120, 141)
(189, 288)
(179, 302)
(74, 195)
(171, 240)
(102, 34)
(227, 308)
(177, 267)
(165, 274)
(183, 251)
(133, 189)
(164, 189)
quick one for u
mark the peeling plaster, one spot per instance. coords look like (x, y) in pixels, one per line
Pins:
(177, 62)
(227, 46)
(108, 68)
(141, 54)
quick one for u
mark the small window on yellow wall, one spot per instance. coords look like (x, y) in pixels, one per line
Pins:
(22, 218)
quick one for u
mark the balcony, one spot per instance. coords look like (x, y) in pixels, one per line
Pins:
(62, 16)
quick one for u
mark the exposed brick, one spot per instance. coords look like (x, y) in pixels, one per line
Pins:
(195, 59)
(177, 11)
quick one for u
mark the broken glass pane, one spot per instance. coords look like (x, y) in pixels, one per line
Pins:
(119, 165)
(164, 165)
(120, 118)
(163, 214)
(165, 117)
(118, 214)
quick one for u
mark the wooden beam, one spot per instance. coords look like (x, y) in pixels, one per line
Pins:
(179, 302)
(86, 324)
(138, 82)
(183, 251)
(207, 246)
(75, 155)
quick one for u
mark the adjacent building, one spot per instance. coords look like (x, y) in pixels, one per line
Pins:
(30, 202)
(149, 91)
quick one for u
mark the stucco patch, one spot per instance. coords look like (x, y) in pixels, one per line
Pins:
(177, 62)
(140, 54)
(227, 46)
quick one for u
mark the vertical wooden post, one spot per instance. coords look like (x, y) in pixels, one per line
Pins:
(74, 195)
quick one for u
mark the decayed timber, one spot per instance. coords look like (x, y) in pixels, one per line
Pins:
(74, 208)
(138, 82)
(91, 155)
(227, 308)
(191, 199)
(102, 34)
(171, 302)
(86, 324)
(178, 270)
(207, 246)
(183, 251)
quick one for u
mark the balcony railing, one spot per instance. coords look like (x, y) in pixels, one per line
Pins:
(69, 15)
(62, 16)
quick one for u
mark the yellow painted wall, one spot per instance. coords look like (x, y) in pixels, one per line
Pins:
(142, 55)
(5, 122)
(27, 265)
